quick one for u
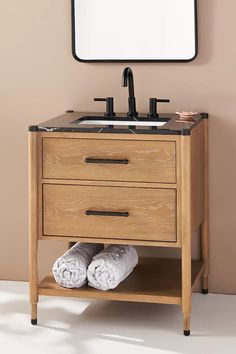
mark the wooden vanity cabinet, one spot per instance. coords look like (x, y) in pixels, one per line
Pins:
(158, 185)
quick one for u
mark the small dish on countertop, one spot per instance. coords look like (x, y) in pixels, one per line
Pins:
(186, 116)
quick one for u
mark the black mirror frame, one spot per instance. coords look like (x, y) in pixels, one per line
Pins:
(132, 60)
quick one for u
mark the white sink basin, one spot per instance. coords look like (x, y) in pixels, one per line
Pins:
(126, 123)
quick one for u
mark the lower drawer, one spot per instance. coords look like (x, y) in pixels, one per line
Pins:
(109, 212)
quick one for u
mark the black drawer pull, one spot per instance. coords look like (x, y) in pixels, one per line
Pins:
(107, 213)
(116, 162)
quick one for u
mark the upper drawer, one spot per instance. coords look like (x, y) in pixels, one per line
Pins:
(109, 160)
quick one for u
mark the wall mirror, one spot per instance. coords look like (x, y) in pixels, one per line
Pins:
(134, 30)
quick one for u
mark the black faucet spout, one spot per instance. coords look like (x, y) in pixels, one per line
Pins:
(128, 81)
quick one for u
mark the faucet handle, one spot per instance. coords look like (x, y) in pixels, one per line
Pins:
(153, 106)
(109, 105)
(163, 100)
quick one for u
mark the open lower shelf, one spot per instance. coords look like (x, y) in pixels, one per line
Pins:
(154, 280)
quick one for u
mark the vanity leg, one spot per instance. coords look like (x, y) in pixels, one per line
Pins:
(33, 314)
(186, 325)
(186, 230)
(205, 256)
(33, 226)
(186, 289)
(33, 281)
(205, 224)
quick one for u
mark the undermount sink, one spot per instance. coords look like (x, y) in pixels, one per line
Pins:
(141, 121)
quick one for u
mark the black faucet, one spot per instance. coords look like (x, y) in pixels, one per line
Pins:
(128, 81)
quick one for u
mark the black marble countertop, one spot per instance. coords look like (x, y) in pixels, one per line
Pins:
(68, 122)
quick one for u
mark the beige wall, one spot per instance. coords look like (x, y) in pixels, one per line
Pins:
(39, 79)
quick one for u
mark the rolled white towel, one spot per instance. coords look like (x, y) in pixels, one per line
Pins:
(111, 266)
(70, 270)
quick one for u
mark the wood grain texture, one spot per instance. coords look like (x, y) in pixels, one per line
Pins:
(152, 212)
(153, 280)
(205, 224)
(33, 221)
(40, 186)
(149, 161)
(186, 227)
(108, 241)
(197, 167)
(109, 183)
(178, 192)
(110, 136)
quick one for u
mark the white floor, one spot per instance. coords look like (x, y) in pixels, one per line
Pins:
(74, 326)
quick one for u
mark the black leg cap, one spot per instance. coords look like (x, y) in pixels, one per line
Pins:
(34, 322)
(204, 291)
(187, 332)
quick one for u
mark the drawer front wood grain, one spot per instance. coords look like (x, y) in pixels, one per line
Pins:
(151, 212)
(109, 160)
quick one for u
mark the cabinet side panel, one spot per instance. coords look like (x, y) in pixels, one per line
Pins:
(197, 175)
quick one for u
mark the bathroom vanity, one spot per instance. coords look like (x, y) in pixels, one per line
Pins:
(122, 183)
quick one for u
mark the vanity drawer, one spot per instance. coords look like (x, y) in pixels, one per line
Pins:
(140, 213)
(109, 160)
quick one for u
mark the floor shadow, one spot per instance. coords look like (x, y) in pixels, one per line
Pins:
(78, 323)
